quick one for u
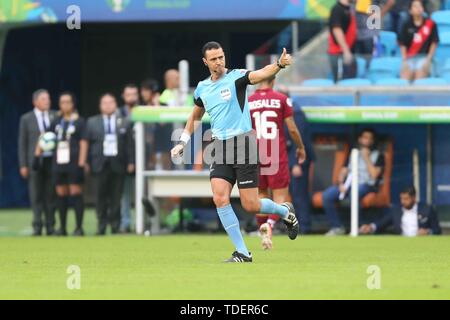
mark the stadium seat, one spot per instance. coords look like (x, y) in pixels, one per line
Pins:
(443, 49)
(384, 67)
(447, 64)
(318, 83)
(355, 82)
(332, 153)
(389, 43)
(361, 67)
(430, 82)
(436, 67)
(445, 71)
(442, 19)
(392, 82)
(446, 76)
(446, 5)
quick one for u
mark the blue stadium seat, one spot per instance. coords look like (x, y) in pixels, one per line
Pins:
(445, 70)
(446, 5)
(384, 67)
(447, 64)
(443, 49)
(361, 67)
(318, 83)
(430, 82)
(355, 82)
(389, 43)
(392, 82)
(442, 19)
(441, 66)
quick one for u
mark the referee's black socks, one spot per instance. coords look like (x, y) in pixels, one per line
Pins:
(63, 204)
(78, 205)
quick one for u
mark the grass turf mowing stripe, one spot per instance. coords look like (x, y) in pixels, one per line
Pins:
(190, 267)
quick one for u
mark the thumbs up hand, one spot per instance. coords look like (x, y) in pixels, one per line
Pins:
(285, 59)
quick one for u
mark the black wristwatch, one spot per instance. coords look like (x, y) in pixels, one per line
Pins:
(279, 64)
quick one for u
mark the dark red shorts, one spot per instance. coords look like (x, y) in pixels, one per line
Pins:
(280, 180)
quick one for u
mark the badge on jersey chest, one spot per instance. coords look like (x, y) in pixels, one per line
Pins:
(63, 152)
(226, 94)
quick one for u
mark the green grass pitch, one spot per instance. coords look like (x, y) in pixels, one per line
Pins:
(190, 267)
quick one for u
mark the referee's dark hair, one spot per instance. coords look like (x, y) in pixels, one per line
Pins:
(410, 190)
(209, 46)
(71, 95)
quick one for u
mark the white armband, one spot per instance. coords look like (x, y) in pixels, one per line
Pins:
(185, 137)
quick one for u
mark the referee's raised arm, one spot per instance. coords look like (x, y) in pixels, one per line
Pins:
(270, 70)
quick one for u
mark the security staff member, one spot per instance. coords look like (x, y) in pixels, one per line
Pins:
(111, 156)
(130, 96)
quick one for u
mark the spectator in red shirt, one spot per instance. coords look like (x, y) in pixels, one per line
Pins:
(418, 42)
(341, 40)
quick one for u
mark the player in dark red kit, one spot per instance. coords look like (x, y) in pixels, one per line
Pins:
(270, 110)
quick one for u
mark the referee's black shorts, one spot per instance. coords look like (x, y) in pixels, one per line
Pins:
(236, 160)
(73, 175)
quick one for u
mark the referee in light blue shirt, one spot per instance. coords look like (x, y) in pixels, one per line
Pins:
(223, 96)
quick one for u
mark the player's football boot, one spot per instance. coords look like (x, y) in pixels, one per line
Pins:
(291, 221)
(239, 257)
(266, 234)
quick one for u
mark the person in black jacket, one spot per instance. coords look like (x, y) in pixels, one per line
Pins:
(411, 219)
(111, 157)
(130, 96)
(37, 170)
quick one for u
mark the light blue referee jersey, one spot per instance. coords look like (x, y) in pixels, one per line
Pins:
(225, 101)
